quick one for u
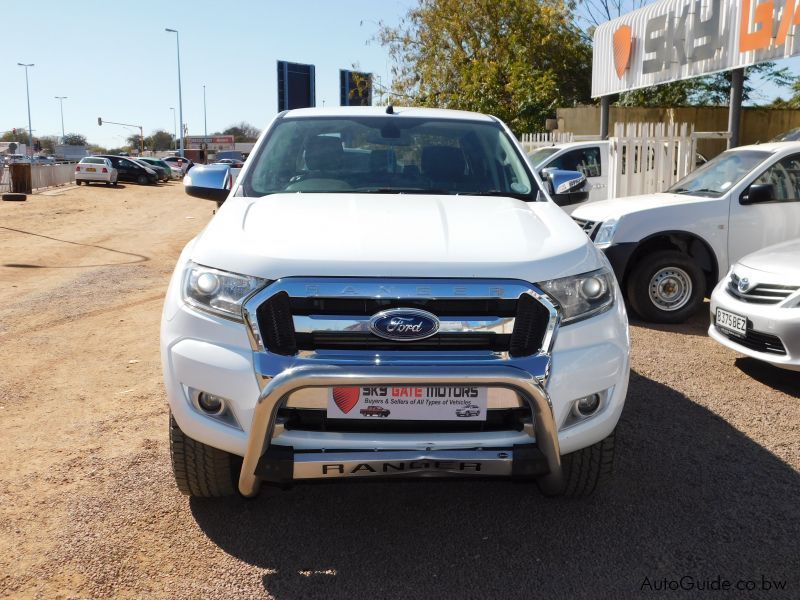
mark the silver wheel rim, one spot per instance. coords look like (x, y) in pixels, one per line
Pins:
(670, 289)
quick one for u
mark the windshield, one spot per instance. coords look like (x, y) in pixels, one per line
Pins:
(538, 156)
(391, 154)
(718, 175)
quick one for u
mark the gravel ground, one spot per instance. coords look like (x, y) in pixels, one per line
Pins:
(707, 481)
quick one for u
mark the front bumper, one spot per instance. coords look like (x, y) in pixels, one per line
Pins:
(771, 319)
(203, 352)
(286, 465)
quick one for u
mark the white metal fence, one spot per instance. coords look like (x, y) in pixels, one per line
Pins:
(43, 176)
(532, 141)
(646, 158)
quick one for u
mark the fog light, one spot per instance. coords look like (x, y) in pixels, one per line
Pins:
(587, 405)
(211, 404)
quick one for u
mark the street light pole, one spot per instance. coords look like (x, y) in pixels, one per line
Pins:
(174, 127)
(180, 99)
(205, 120)
(28, 93)
(61, 102)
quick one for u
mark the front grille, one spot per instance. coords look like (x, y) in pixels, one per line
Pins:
(762, 293)
(587, 226)
(276, 323)
(307, 419)
(756, 340)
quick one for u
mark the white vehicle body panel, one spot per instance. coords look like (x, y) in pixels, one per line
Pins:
(775, 265)
(729, 228)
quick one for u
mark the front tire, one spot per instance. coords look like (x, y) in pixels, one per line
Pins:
(588, 469)
(666, 287)
(201, 470)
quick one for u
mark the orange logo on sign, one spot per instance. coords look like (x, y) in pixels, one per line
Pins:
(623, 43)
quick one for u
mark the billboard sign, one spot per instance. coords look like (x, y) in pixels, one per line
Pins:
(296, 86)
(672, 40)
(355, 89)
(211, 142)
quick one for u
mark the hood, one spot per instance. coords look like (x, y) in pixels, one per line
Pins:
(782, 260)
(391, 235)
(619, 207)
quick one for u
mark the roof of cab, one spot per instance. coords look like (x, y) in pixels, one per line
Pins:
(378, 111)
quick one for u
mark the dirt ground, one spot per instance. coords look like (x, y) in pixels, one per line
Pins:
(707, 482)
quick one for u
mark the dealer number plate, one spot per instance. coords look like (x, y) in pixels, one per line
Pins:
(411, 403)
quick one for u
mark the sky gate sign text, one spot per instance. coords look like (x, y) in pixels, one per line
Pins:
(678, 39)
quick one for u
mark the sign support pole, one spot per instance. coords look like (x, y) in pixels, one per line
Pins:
(735, 106)
(605, 103)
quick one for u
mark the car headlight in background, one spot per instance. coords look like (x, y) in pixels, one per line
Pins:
(582, 296)
(605, 233)
(218, 292)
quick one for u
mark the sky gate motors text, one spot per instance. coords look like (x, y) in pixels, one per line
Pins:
(419, 392)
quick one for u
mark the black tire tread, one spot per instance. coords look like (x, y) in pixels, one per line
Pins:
(589, 468)
(200, 470)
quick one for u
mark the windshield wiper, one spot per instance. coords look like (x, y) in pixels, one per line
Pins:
(517, 195)
(697, 191)
(398, 190)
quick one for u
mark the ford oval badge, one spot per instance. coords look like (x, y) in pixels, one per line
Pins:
(404, 324)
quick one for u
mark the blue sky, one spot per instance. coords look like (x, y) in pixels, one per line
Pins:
(114, 59)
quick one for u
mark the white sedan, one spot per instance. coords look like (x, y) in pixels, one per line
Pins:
(95, 168)
(755, 310)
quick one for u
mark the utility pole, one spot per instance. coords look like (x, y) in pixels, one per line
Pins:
(180, 99)
(205, 121)
(28, 93)
(174, 128)
(61, 102)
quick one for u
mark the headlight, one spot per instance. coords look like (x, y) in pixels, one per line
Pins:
(218, 292)
(605, 233)
(582, 296)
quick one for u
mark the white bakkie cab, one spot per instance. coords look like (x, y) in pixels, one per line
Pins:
(669, 250)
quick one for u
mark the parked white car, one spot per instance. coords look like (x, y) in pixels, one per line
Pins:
(669, 250)
(589, 158)
(755, 308)
(95, 169)
(407, 260)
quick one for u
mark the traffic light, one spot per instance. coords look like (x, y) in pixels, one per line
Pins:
(99, 121)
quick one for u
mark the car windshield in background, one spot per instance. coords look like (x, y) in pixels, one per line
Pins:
(389, 154)
(538, 156)
(718, 175)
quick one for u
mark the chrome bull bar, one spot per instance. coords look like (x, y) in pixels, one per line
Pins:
(275, 393)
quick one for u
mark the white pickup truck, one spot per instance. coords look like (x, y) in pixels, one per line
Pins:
(669, 250)
(390, 293)
(590, 158)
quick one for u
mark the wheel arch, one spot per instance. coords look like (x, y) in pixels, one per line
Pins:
(690, 244)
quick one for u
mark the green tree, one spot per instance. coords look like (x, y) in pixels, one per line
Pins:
(516, 59)
(48, 143)
(134, 140)
(794, 99)
(74, 139)
(159, 140)
(241, 132)
(21, 135)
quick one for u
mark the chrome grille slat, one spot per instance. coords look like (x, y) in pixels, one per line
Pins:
(761, 293)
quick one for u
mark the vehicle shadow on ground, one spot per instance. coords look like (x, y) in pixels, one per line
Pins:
(696, 325)
(782, 380)
(692, 497)
(119, 186)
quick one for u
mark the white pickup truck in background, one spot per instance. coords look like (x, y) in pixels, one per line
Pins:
(590, 158)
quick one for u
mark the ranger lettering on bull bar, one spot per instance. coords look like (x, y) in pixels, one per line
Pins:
(456, 350)
(388, 467)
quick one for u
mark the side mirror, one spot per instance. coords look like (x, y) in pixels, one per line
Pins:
(758, 192)
(565, 187)
(210, 182)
